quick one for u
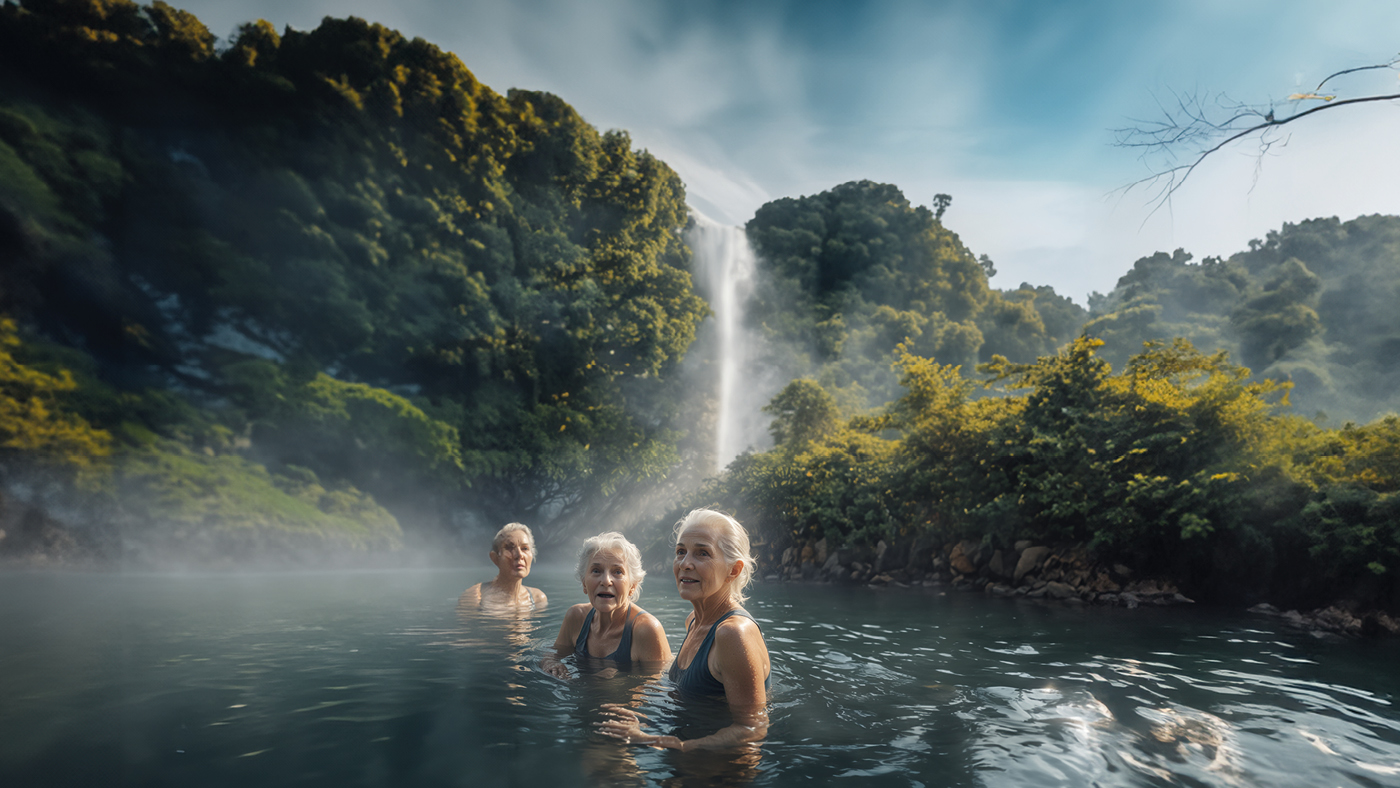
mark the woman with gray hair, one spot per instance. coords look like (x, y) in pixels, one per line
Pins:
(723, 654)
(513, 553)
(609, 626)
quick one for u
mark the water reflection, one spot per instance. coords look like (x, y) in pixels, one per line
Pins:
(377, 680)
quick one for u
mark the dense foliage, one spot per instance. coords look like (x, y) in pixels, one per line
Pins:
(1178, 463)
(340, 246)
(849, 274)
(1313, 303)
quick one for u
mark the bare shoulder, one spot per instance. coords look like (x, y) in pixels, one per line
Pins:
(649, 624)
(577, 612)
(470, 596)
(540, 599)
(739, 631)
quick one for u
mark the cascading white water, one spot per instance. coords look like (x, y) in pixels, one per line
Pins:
(725, 267)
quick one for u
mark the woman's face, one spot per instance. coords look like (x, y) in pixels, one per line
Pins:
(701, 569)
(607, 582)
(515, 556)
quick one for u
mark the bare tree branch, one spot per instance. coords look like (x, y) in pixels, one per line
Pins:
(1193, 128)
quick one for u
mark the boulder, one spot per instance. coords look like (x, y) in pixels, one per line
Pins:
(881, 551)
(960, 562)
(808, 553)
(1031, 559)
(832, 561)
(998, 565)
(821, 555)
(789, 556)
(1060, 591)
(1022, 545)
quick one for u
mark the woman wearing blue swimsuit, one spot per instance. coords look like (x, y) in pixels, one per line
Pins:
(609, 626)
(723, 652)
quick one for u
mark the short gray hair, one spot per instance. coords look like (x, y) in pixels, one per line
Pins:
(631, 558)
(508, 529)
(733, 545)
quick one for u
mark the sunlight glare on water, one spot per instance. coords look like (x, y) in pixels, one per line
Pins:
(372, 678)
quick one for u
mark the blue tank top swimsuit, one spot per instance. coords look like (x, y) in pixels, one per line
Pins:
(623, 653)
(697, 679)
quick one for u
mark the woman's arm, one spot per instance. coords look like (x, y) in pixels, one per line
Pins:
(649, 646)
(564, 644)
(739, 660)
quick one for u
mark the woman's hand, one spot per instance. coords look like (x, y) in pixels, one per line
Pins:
(625, 724)
(555, 668)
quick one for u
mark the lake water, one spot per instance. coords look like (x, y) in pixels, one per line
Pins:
(371, 678)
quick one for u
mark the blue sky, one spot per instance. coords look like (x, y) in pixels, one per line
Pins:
(1007, 106)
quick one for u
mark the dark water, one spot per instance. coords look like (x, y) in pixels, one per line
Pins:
(370, 678)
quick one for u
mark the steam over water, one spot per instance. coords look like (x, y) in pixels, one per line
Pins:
(725, 270)
(372, 679)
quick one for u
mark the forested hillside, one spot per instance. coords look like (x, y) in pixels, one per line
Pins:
(1312, 303)
(847, 275)
(1142, 436)
(327, 269)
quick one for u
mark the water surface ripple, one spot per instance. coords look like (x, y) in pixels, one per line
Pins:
(372, 678)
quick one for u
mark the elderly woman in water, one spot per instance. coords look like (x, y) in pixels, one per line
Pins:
(513, 553)
(723, 653)
(609, 626)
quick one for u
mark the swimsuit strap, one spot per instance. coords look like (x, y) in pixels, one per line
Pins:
(623, 653)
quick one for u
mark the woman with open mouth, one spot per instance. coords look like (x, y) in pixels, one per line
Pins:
(513, 553)
(723, 654)
(610, 626)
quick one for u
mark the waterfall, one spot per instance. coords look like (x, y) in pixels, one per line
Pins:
(725, 267)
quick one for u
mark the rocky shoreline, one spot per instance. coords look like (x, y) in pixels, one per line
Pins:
(1068, 574)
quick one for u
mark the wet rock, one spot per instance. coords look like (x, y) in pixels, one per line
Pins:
(1103, 584)
(1031, 560)
(881, 579)
(1000, 589)
(960, 562)
(1060, 591)
(1036, 593)
(998, 565)
(1129, 599)
(1107, 599)
(881, 549)
(1264, 608)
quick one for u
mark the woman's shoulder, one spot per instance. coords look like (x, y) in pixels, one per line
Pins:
(577, 612)
(472, 594)
(646, 621)
(538, 596)
(737, 628)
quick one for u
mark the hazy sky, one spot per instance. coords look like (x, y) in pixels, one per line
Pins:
(1007, 106)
